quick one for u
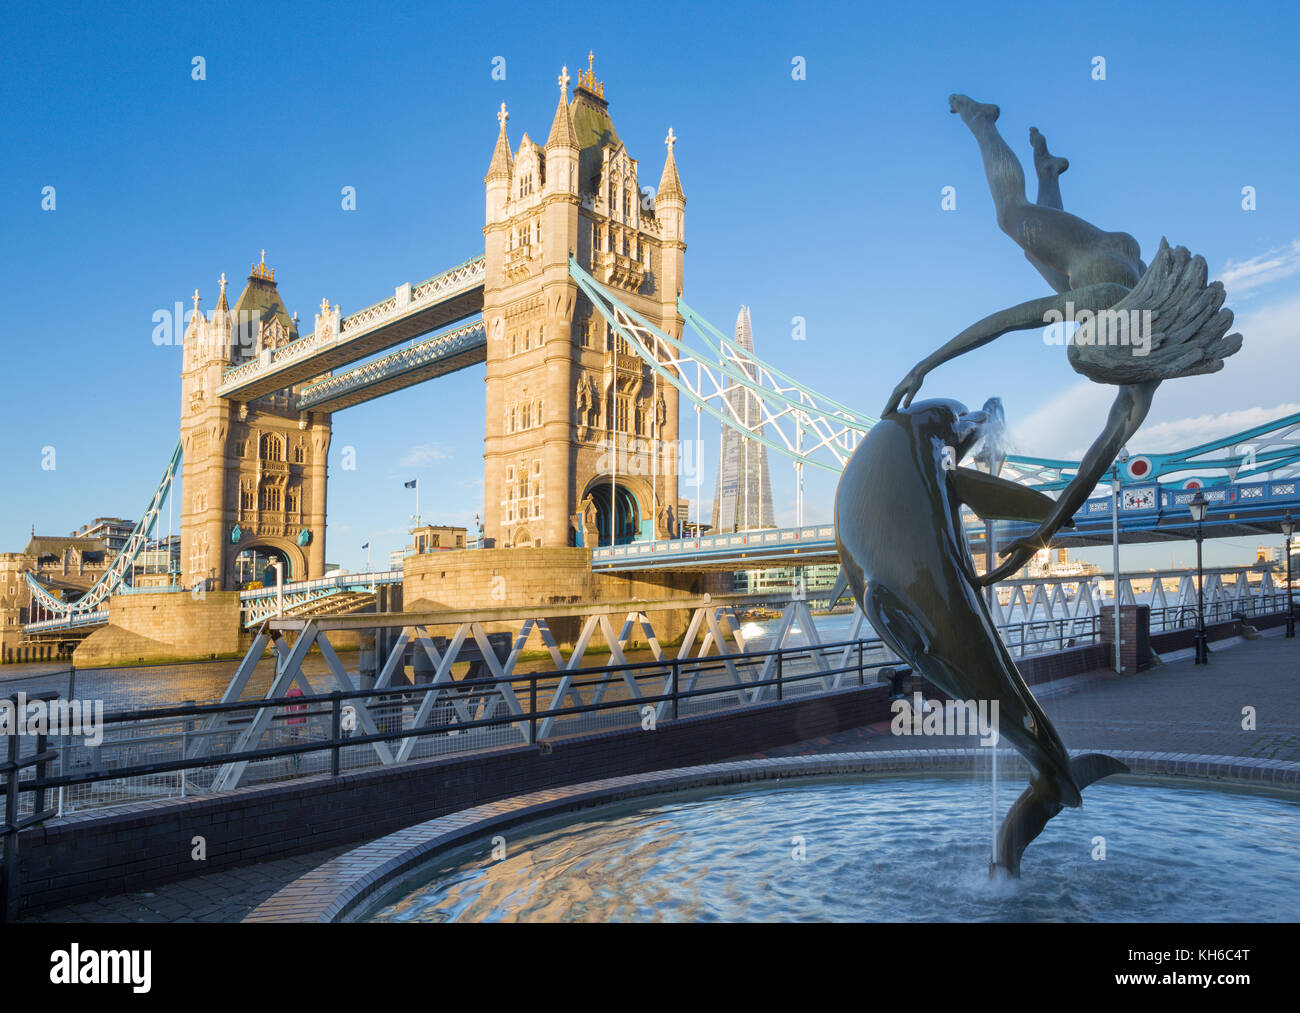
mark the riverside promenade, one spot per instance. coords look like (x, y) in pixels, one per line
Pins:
(1178, 707)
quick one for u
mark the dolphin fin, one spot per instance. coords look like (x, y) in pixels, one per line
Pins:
(1036, 805)
(997, 499)
(840, 589)
(1092, 767)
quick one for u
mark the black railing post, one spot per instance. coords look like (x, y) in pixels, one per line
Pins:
(779, 667)
(38, 806)
(532, 710)
(336, 730)
(9, 895)
(860, 682)
(677, 681)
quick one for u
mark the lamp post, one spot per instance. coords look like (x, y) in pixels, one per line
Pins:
(1288, 528)
(1114, 529)
(1197, 509)
(279, 587)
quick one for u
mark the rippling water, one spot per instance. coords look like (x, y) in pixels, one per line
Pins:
(906, 849)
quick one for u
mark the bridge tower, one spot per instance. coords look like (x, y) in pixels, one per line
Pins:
(253, 482)
(560, 392)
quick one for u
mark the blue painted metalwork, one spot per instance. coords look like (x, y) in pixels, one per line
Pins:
(260, 603)
(73, 622)
(420, 354)
(1150, 513)
(123, 563)
(409, 302)
(1268, 448)
(773, 546)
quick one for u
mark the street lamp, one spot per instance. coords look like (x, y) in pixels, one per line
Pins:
(1197, 508)
(1288, 528)
(1114, 528)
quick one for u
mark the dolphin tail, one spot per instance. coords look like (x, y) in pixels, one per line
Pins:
(1039, 803)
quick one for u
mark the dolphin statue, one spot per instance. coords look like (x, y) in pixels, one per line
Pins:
(898, 530)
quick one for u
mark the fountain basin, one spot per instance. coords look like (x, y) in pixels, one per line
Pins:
(893, 836)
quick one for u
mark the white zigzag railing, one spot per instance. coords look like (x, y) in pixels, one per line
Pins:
(112, 578)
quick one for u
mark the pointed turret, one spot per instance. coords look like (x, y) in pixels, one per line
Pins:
(219, 326)
(497, 180)
(562, 133)
(503, 162)
(670, 184)
(259, 317)
(562, 147)
(196, 335)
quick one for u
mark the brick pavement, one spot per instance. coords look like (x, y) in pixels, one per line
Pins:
(1178, 707)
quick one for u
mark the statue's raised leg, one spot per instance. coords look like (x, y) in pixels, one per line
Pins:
(1049, 168)
(1054, 238)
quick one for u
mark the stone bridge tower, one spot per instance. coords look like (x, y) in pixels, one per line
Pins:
(559, 388)
(253, 480)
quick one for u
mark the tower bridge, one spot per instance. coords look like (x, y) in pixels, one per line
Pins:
(575, 307)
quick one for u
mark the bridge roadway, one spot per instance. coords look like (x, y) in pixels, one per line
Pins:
(411, 311)
(1148, 513)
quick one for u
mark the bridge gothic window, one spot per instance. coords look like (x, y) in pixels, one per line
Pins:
(271, 497)
(291, 501)
(272, 448)
(298, 454)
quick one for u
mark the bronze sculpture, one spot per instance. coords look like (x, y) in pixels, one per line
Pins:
(903, 552)
(898, 522)
(1098, 275)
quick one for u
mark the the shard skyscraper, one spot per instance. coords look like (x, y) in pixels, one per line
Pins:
(743, 500)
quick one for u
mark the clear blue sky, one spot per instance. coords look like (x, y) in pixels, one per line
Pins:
(817, 198)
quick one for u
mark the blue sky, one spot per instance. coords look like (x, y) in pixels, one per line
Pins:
(817, 198)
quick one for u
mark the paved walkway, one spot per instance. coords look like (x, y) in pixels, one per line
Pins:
(1179, 707)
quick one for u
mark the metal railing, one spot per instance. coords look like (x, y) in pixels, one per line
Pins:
(158, 752)
(1031, 636)
(12, 767)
